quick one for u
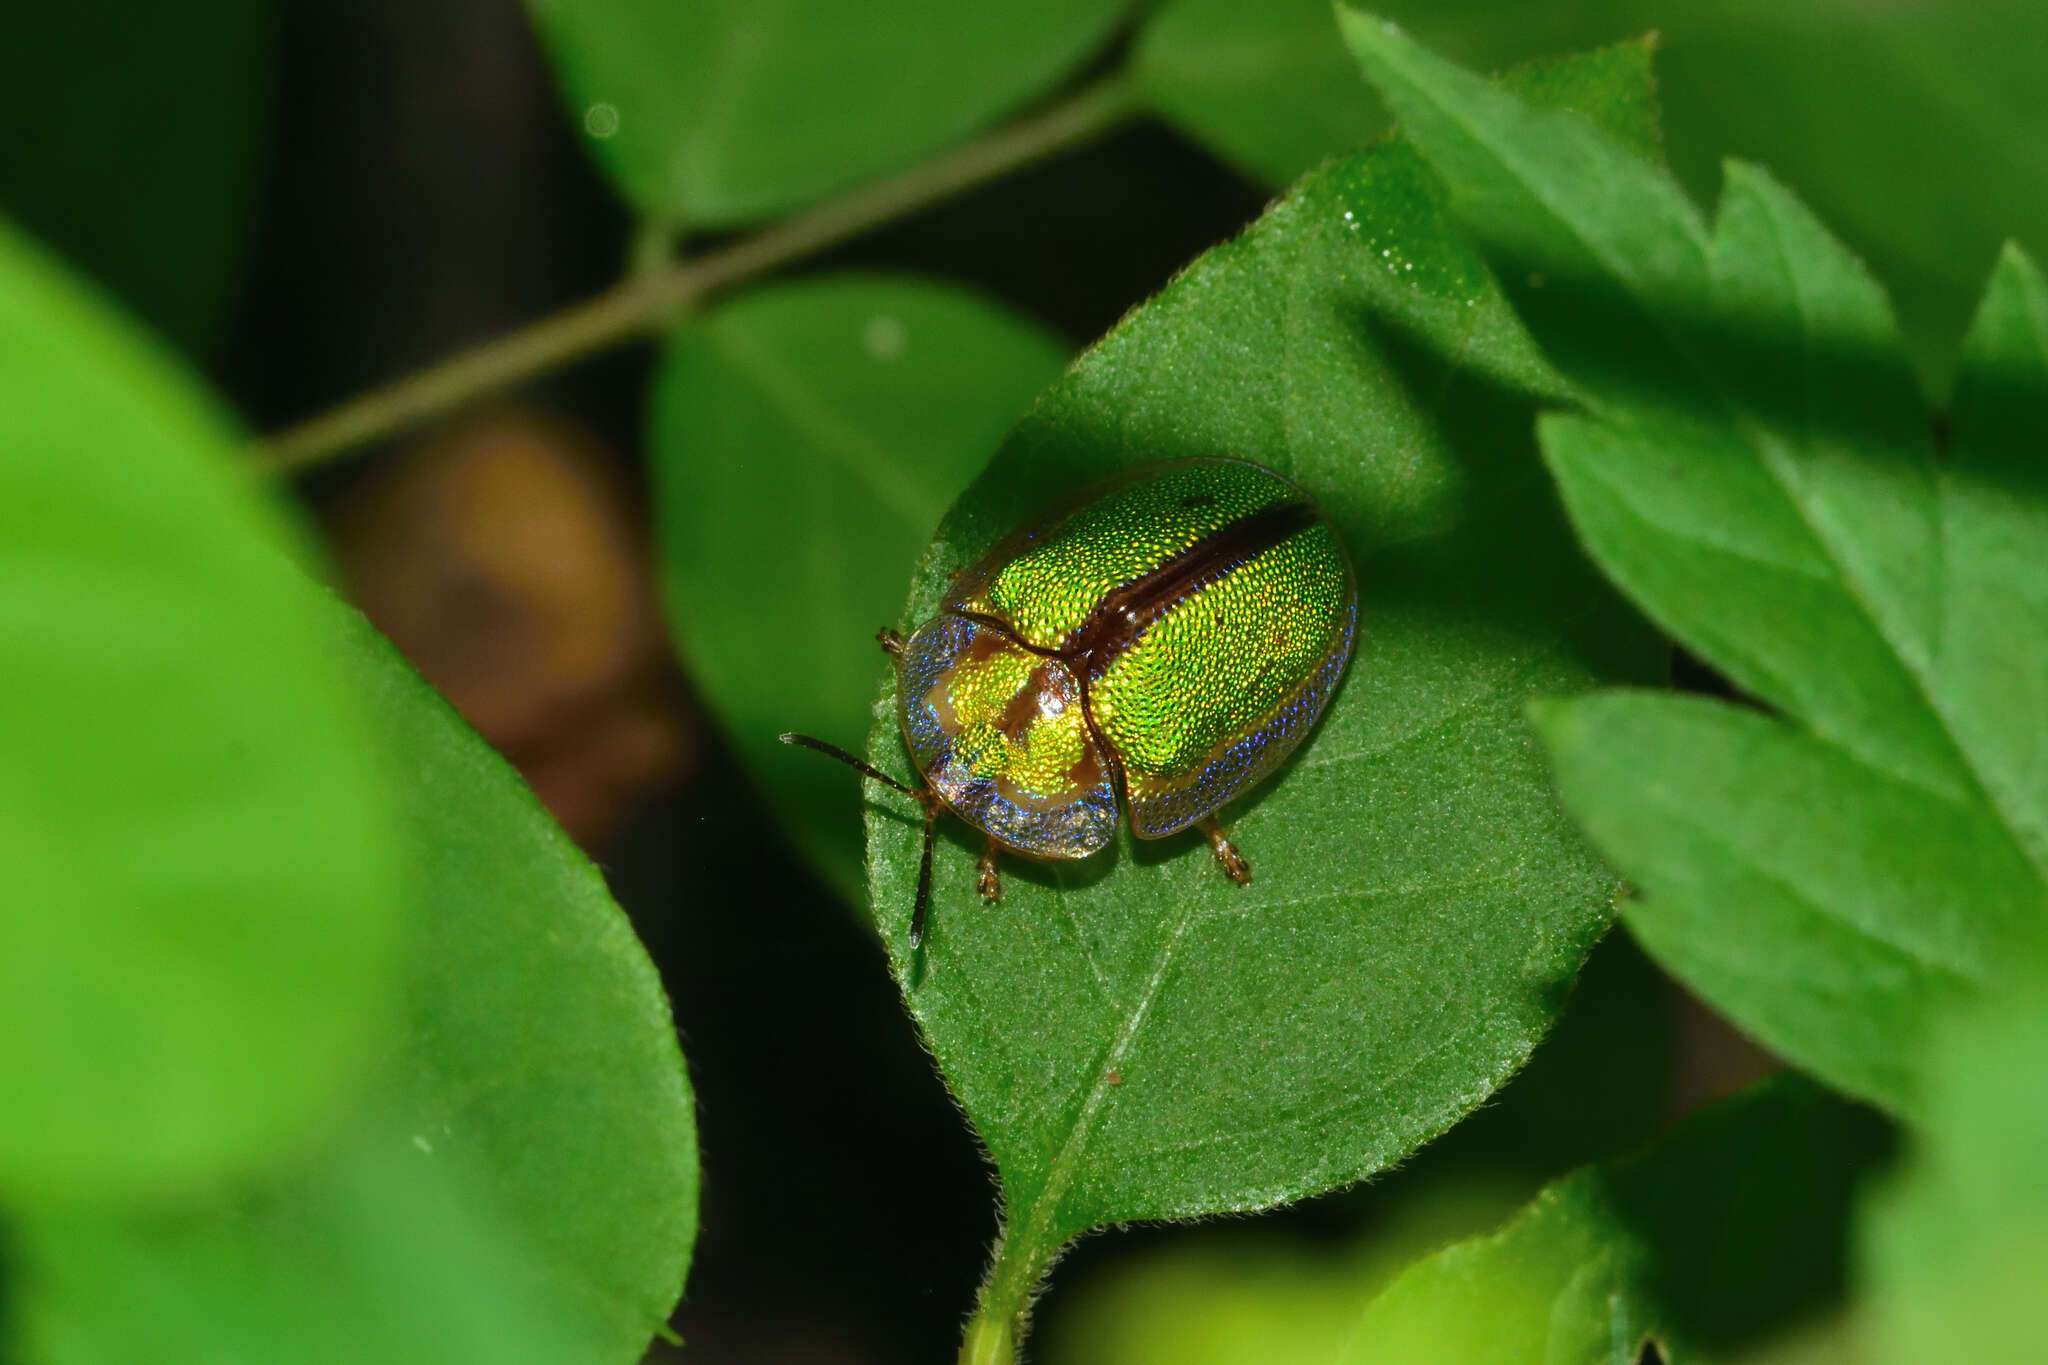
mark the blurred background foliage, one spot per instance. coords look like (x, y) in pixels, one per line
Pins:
(631, 571)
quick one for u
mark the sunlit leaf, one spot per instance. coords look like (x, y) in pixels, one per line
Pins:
(1755, 469)
(1251, 1292)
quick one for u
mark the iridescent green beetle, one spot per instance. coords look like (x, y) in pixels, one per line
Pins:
(1166, 638)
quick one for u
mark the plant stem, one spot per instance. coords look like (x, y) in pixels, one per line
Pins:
(647, 300)
(1002, 1314)
(990, 1341)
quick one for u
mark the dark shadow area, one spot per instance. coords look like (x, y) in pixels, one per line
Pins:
(1749, 1249)
(845, 1208)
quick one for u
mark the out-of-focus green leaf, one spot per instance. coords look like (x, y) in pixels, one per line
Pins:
(1249, 1298)
(1755, 469)
(537, 1057)
(197, 942)
(1915, 127)
(718, 111)
(1268, 87)
(376, 1257)
(806, 440)
(1955, 1251)
(1134, 1037)
(133, 134)
(524, 1184)
(1271, 89)
(1731, 1229)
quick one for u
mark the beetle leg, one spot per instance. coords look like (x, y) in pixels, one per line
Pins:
(890, 641)
(1234, 865)
(990, 882)
(924, 878)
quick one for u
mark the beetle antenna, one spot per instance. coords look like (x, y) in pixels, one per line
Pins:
(924, 879)
(861, 766)
(924, 798)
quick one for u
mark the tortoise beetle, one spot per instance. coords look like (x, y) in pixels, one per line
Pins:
(1161, 641)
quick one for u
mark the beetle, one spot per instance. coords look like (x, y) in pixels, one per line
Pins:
(1159, 642)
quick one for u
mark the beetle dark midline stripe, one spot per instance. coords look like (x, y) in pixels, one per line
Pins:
(1165, 639)
(1126, 612)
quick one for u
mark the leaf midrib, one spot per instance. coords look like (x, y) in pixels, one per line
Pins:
(1080, 1129)
(1851, 588)
(1066, 1164)
(1682, 815)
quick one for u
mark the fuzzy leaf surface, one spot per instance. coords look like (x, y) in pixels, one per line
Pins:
(1134, 1037)
(1250, 1292)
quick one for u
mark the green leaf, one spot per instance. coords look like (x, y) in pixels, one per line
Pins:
(1828, 909)
(806, 439)
(1135, 1038)
(1848, 100)
(1955, 1249)
(197, 946)
(523, 1184)
(538, 1058)
(373, 1258)
(1992, 650)
(719, 111)
(1729, 1230)
(134, 131)
(1756, 472)
(1250, 1292)
(1853, 102)
(1594, 1088)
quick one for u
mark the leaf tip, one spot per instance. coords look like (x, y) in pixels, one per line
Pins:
(1368, 35)
(2016, 261)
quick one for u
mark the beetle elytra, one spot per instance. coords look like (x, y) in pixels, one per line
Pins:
(1157, 644)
